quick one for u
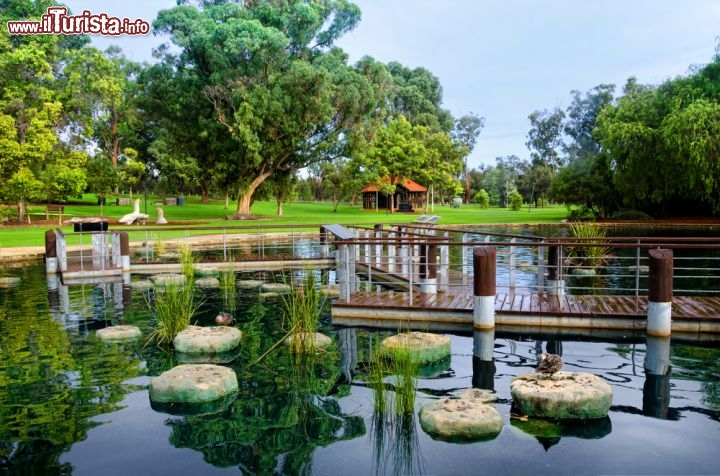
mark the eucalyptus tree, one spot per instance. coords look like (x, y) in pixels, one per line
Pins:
(466, 131)
(283, 94)
(545, 140)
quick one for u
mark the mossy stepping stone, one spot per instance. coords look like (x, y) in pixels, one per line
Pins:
(423, 347)
(249, 283)
(168, 256)
(207, 340)
(207, 272)
(330, 290)
(142, 285)
(120, 333)
(564, 395)
(168, 279)
(307, 341)
(207, 283)
(9, 281)
(467, 417)
(584, 271)
(275, 288)
(193, 383)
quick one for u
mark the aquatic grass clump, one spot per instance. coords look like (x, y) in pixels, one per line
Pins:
(302, 309)
(159, 245)
(174, 307)
(175, 304)
(589, 255)
(229, 293)
(187, 262)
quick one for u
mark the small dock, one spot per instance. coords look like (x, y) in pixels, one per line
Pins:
(392, 309)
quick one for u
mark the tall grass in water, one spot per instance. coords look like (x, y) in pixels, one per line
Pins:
(174, 307)
(589, 256)
(229, 293)
(302, 309)
(175, 303)
(393, 381)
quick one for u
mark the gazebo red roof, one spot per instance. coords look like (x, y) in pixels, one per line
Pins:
(408, 184)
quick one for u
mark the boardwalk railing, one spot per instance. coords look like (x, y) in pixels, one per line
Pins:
(430, 259)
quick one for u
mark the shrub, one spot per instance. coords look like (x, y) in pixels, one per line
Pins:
(515, 200)
(591, 233)
(482, 198)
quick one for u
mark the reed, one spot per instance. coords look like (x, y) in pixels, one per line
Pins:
(174, 308)
(590, 233)
(229, 293)
(187, 262)
(405, 368)
(302, 309)
(158, 244)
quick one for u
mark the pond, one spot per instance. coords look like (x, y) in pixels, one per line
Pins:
(71, 404)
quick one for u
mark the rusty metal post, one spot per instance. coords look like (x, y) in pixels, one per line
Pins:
(50, 252)
(660, 292)
(484, 286)
(378, 245)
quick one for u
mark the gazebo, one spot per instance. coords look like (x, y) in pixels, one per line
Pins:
(408, 196)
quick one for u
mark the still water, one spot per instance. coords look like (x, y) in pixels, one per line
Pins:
(71, 404)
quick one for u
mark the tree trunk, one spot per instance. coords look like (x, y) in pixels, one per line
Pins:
(21, 211)
(467, 187)
(245, 198)
(279, 207)
(205, 193)
(227, 200)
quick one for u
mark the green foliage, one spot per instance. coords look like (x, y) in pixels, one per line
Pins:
(302, 309)
(482, 198)
(589, 233)
(515, 200)
(174, 307)
(102, 177)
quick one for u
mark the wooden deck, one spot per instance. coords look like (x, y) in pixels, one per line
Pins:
(689, 314)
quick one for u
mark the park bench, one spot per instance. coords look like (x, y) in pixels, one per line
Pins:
(52, 209)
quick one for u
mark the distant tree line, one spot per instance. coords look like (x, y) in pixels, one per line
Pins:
(253, 100)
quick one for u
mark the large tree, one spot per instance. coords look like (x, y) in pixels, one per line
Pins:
(282, 92)
(466, 131)
(545, 139)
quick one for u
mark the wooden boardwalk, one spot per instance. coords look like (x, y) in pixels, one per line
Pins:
(689, 314)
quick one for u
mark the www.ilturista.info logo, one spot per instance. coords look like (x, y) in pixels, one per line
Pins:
(57, 22)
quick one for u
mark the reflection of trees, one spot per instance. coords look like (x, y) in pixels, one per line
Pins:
(699, 364)
(51, 387)
(282, 413)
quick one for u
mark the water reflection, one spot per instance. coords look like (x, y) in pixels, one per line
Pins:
(56, 378)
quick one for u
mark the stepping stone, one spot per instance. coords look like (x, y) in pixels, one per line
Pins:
(584, 271)
(207, 283)
(207, 272)
(564, 395)
(466, 417)
(9, 281)
(119, 333)
(423, 347)
(269, 295)
(193, 383)
(330, 290)
(169, 279)
(249, 284)
(207, 340)
(168, 256)
(143, 285)
(307, 341)
(275, 288)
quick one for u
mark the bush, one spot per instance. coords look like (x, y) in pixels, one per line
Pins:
(515, 200)
(581, 213)
(482, 198)
(635, 215)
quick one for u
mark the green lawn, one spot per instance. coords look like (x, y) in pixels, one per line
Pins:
(298, 213)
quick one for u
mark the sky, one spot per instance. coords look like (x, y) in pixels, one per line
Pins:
(504, 59)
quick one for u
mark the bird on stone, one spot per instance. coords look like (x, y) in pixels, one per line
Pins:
(549, 364)
(224, 319)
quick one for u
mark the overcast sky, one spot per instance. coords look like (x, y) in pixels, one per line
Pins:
(503, 59)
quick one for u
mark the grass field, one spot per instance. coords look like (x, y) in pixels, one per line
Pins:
(194, 213)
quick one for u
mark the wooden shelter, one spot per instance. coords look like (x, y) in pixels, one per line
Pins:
(408, 196)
